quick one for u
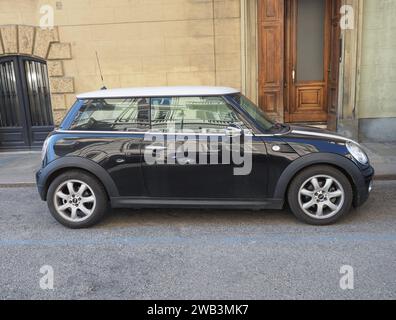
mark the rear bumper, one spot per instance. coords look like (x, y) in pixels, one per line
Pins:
(364, 186)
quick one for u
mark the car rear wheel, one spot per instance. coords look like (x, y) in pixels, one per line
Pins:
(320, 195)
(76, 199)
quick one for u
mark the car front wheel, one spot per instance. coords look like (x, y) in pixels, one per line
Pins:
(77, 200)
(320, 195)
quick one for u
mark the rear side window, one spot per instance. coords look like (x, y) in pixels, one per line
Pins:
(200, 114)
(130, 114)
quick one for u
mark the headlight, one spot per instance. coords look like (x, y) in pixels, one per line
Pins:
(44, 149)
(357, 152)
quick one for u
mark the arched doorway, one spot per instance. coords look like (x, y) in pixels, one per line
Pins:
(25, 102)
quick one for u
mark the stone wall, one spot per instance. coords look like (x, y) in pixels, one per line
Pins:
(152, 43)
(377, 91)
(44, 44)
(378, 65)
(139, 43)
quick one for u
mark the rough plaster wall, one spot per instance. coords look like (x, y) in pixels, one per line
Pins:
(378, 69)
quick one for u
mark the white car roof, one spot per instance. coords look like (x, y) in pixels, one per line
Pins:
(158, 92)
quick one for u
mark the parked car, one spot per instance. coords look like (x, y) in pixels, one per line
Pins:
(129, 148)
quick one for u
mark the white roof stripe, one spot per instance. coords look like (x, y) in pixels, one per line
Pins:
(158, 92)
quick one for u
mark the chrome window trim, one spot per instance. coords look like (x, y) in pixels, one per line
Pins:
(143, 133)
(323, 135)
(167, 133)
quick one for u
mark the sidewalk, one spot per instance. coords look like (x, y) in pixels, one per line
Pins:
(18, 168)
(383, 159)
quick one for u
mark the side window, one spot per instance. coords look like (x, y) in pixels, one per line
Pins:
(200, 114)
(130, 114)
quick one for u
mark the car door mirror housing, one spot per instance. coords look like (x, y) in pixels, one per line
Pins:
(234, 131)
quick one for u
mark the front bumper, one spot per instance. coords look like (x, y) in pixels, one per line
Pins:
(364, 186)
(41, 185)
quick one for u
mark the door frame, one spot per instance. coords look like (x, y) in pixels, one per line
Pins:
(291, 92)
(267, 78)
(26, 126)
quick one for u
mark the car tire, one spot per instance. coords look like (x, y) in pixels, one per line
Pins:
(82, 207)
(322, 201)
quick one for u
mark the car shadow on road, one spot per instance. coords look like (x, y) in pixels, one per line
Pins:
(193, 217)
(121, 218)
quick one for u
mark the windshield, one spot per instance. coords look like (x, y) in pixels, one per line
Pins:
(255, 112)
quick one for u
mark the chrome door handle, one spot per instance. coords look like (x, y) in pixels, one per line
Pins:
(154, 148)
(185, 161)
(294, 76)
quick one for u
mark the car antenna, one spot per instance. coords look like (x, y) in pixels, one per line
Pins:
(100, 70)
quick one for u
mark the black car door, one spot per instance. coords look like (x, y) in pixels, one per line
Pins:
(225, 165)
(118, 126)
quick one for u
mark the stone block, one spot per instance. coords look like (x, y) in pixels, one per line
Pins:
(59, 51)
(26, 39)
(58, 101)
(228, 62)
(58, 116)
(9, 35)
(61, 85)
(70, 100)
(225, 27)
(191, 78)
(203, 62)
(55, 68)
(189, 45)
(44, 37)
(227, 8)
(229, 79)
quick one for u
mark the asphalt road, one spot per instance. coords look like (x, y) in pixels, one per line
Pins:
(184, 254)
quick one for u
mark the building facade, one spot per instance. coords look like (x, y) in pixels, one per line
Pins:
(322, 62)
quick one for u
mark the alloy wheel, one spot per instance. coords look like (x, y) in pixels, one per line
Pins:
(321, 197)
(74, 200)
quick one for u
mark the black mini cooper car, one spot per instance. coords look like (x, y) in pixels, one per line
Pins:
(194, 147)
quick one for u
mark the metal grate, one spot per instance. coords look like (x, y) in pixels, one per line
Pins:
(25, 102)
(38, 93)
(9, 101)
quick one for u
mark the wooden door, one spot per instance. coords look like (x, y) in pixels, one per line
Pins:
(271, 56)
(307, 60)
(335, 60)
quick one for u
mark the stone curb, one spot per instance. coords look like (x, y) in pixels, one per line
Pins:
(389, 177)
(17, 185)
(385, 177)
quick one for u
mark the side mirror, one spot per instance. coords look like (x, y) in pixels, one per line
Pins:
(234, 131)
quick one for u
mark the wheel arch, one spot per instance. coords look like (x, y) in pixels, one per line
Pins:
(344, 165)
(62, 165)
